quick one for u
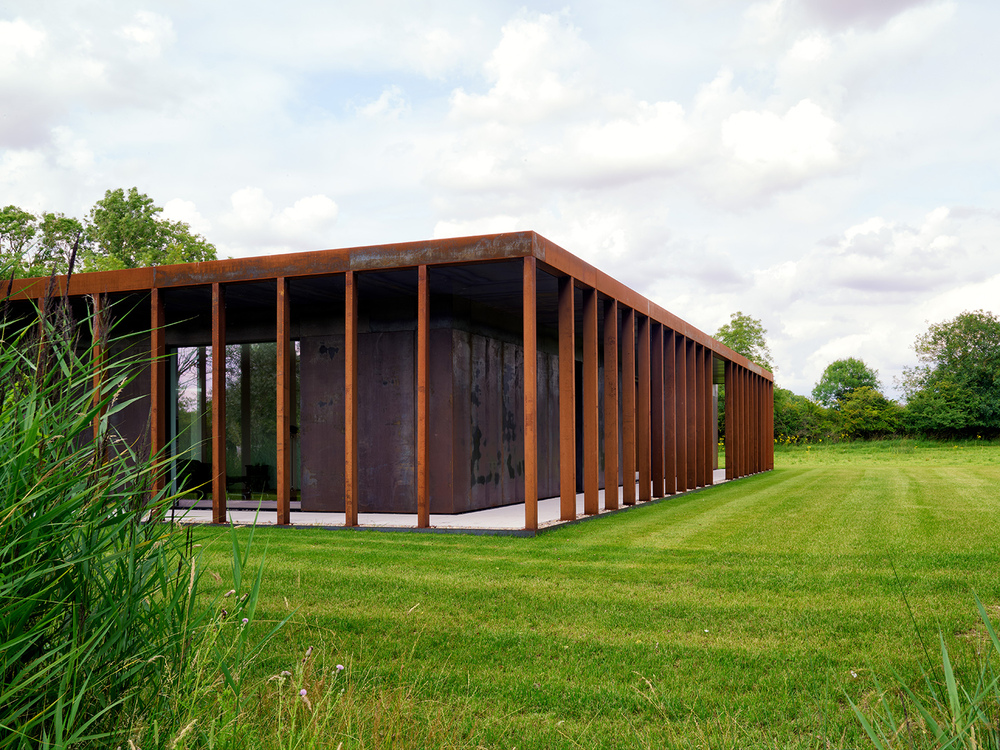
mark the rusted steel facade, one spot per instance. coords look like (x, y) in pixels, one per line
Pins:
(437, 377)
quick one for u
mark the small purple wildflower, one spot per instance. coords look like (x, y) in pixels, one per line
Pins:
(340, 667)
(303, 692)
(246, 620)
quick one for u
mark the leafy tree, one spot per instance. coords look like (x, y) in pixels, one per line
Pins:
(959, 375)
(17, 236)
(941, 409)
(866, 413)
(125, 231)
(841, 378)
(796, 416)
(59, 236)
(746, 336)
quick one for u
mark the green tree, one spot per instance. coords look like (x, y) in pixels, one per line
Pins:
(17, 236)
(866, 413)
(59, 236)
(796, 416)
(747, 336)
(841, 378)
(126, 231)
(957, 386)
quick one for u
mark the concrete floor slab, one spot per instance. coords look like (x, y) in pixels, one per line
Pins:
(508, 519)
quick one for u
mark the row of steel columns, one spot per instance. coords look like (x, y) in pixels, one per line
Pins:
(666, 420)
(749, 422)
(666, 402)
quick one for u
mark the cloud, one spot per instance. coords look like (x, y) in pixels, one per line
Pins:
(254, 226)
(533, 71)
(147, 34)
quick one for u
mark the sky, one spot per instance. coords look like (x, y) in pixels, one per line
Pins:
(830, 167)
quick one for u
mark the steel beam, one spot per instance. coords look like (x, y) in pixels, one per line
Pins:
(530, 336)
(567, 401)
(611, 404)
(628, 406)
(218, 403)
(700, 422)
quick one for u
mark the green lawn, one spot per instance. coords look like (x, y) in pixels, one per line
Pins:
(737, 616)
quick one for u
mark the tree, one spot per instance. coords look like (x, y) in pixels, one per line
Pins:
(959, 376)
(798, 417)
(866, 413)
(746, 336)
(60, 236)
(841, 378)
(17, 235)
(125, 231)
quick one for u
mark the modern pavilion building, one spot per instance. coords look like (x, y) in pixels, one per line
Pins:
(427, 377)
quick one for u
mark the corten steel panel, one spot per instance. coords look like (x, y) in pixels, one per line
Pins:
(548, 425)
(285, 374)
(669, 413)
(745, 466)
(628, 406)
(656, 408)
(567, 401)
(642, 410)
(692, 416)
(351, 488)
(218, 403)
(611, 404)
(700, 431)
(441, 423)
(423, 401)
(386, 424)
(322, 363)
(591, 407)
(158, 387)
(489, 408)
(530, 385)
(681, 402)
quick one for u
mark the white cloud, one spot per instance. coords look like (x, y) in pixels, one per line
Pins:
(390, 105)
(533, 72)
(147, 34)
(19, 39)
(178, 209)
(254, 226)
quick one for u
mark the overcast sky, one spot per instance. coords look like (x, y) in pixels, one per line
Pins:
(831, 167)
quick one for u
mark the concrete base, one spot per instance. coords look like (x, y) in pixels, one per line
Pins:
(507, 520)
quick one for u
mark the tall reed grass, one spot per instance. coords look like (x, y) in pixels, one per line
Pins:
(100, 617)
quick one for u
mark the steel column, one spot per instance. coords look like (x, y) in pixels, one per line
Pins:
(530, 336)
(350, 399)
(158, 390)
(423, 399)
(286, 373)
(656, 408)
(643, 411)
(611, 404)
(628, 406)
(591, 454)
(692, 415)
(669, 412)
(567, 401)
(700, 424)
(218, 403)
(681, 416)
(98, 340)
